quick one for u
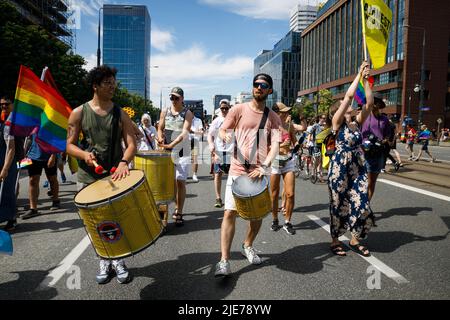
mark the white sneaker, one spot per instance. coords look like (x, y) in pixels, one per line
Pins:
(250, 254)
(222, 268)
(104, 273)
(121, 270)
(194, 178)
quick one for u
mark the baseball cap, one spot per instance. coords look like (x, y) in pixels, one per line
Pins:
(265, 77)
(226, 101)
(177, 91)
(378, 100)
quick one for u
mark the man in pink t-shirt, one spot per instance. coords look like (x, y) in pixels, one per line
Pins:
(243, 121)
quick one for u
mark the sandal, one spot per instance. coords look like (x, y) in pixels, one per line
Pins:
(175, 214)
(179, 221)
(360, 249)
(338, 250)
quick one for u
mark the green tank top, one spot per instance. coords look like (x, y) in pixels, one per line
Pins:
(98, 137)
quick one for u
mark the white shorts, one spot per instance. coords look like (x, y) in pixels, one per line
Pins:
(289, 166)
(229, 199)
(182, 168)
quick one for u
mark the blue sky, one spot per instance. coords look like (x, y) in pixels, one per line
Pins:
(206, 47)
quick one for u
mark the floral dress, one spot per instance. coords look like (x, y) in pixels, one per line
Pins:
(348, 185)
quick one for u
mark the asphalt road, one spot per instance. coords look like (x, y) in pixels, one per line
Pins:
(410, 245)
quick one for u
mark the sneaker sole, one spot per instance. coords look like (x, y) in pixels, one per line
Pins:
(253, 263)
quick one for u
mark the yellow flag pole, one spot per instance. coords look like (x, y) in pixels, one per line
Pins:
(363, 22)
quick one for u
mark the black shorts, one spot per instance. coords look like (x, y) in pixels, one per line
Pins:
(35, 169)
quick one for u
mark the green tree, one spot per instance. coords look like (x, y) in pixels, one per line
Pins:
(123, 98)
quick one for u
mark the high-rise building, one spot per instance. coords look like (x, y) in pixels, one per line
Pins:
(52, 15)
(243, 97)
(282, 63)
(302, 16)
(217, 98)
(332, 53)
(126, 45)
(196, 106)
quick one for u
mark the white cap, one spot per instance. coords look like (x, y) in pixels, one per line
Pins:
(226, 101)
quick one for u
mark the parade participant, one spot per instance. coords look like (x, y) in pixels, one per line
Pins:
(424, 138)
(393, 146)
(173, 134)
(8, 168)
(147, 142)
(411, 135)
(41, 160)
(220, 151)
(244, 120)
(347, 178)
(103, 126)
(284, 165)
(375, 132)
(195, 136)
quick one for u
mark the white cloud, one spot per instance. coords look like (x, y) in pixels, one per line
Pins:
(262, 9)
(91, 60)
(162, 40)
(196, 70)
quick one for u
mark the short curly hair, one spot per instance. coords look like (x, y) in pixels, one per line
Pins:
(98, 74)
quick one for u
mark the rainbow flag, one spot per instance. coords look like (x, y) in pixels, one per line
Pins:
(39, 108)
(360, 95)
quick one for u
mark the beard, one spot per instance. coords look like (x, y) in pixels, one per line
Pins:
(260, 97)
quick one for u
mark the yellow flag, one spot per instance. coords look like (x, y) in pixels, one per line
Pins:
(377, 23)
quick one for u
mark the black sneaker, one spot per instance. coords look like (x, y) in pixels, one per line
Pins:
(30, 214)
(396, 166)
(275, 226)
(219, 203)
(289, 228)
(55, 205)
(11, 225)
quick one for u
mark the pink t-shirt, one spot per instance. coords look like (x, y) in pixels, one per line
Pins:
(244, 121)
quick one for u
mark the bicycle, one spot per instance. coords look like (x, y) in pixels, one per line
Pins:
(315, 162)
(302, 165)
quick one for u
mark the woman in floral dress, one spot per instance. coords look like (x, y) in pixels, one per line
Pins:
(348, 180)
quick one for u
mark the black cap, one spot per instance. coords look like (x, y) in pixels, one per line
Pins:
(265, 77)
(177, 91)
(378, 100)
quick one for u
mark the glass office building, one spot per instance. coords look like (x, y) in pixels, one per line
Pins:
(126, 45)
(282, 63)
(332, 52)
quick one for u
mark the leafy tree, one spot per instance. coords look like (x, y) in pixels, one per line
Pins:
(124, 98)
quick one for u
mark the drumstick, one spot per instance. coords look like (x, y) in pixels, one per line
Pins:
(98, 168)
(113, 169)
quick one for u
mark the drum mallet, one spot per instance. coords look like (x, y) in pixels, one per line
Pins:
(113, 169)
(98, 168)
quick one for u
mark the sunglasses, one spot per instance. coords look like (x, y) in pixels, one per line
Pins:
(174, 98)
(224, 109)
(262, 85)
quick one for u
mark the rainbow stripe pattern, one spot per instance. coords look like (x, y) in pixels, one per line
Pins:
(39, 108)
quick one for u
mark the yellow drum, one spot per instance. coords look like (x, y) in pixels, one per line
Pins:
(160, 172)
(120, 217)
(252, 197)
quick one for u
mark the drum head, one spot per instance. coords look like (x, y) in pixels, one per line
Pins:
(106, 189)
(154, 153)
(244, 187)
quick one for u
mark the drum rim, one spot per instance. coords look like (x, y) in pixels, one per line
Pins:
(255, 195)
(116, 197)
(153, 154)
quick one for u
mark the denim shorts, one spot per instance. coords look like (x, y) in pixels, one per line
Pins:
(375, 164)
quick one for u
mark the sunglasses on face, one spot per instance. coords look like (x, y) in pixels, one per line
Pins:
(262, 85)
(174, 98)
(224, 109)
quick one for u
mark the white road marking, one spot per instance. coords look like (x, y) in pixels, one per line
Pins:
(389, 272)
(425, 192)
(56, 274)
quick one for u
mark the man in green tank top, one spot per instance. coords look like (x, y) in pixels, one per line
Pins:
(103, 127)
(173, 133)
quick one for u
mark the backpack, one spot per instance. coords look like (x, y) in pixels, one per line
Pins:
(330, 144)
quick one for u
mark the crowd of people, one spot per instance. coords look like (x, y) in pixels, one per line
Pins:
(249, 139)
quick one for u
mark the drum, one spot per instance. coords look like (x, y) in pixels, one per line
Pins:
(120, 217)
(252, 197)
(160, 172)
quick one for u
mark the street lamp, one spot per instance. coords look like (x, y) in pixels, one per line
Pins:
(420, 87)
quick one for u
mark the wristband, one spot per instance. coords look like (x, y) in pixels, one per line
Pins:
(123, 160)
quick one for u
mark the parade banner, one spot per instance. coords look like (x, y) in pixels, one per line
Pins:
(377, 24)
(40, 108)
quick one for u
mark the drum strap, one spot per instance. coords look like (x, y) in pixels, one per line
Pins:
(237, 152)
(148, 139)
(115, 127)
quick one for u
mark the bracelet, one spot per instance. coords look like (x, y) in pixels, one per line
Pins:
(123, 160)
